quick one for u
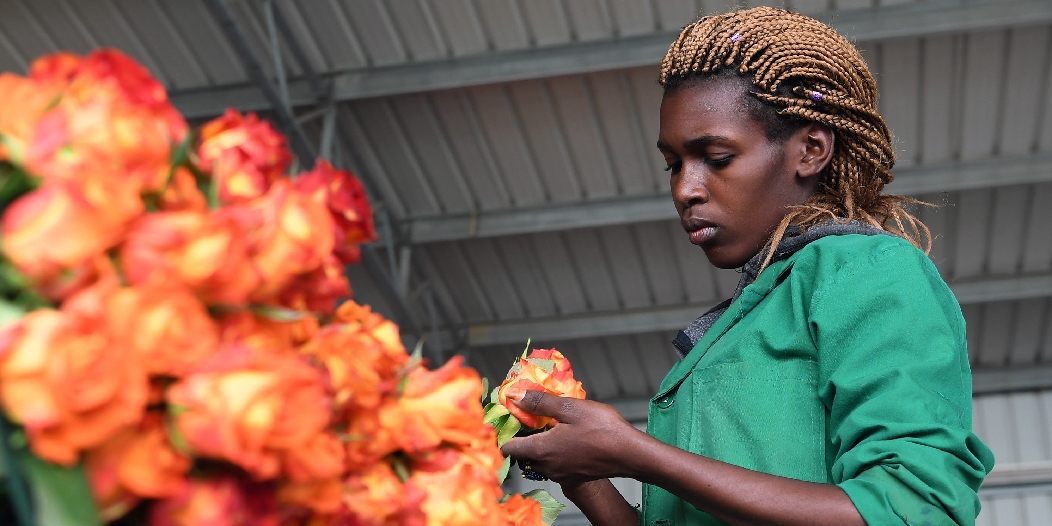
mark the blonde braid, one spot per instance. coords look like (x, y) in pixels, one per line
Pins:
(808, 71)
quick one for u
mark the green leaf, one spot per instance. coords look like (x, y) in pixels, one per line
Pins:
(61, 495)
(16, 489)
(400, 468)
(485, 389)
(499, 422)
(276, 313)
(508, 430)
(14, 183)
(494, 396)
(550, 507)
(493, 412)
(9, 312)
(418, 351)
(180, 154)
(175, 436)
(515, 369)
(547, 365)
(11, 280)
(502, 473)
(527, 349)
(213, 194)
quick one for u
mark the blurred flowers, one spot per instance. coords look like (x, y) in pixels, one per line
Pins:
(175, 341)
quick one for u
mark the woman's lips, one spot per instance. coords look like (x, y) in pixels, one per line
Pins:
(702, 234)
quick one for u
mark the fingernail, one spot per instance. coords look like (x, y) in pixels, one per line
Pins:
(515, 393)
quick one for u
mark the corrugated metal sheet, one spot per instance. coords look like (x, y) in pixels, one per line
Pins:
(1018, 427)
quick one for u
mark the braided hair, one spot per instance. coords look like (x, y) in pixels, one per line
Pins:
(805, 71)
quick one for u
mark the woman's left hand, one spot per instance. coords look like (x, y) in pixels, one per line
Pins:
(591, 441)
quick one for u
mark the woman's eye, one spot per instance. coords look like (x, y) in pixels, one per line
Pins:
(721, 162)
(673, 167)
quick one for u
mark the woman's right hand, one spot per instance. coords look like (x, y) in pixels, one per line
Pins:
(591, 441)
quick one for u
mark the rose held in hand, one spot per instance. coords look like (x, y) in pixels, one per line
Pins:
(543, 370)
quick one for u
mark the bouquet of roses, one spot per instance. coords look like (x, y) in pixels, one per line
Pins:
(172, 350)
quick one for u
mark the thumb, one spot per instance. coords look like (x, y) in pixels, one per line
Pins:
(540, 403)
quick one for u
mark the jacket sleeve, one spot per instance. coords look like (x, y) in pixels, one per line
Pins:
(895, 379)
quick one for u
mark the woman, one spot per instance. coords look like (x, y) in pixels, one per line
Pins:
(834, 387)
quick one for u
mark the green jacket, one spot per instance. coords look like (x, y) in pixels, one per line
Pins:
(844, 363)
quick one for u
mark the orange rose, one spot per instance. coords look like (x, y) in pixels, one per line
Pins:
(265, 335)
(319, 290)
(182, 193)
(323, 496)
(244, 154)
(205, 251)
(167, 325)
(362, 363)
(460, 492)
(220, 500)
(376, 497)
(522, 511)
(22, 104)
(543, 370)
(435, 407)
(293, 236)
(249, 408)
(69, 382)
(136, 462)
(368, 441)
(56, 67)
(361, 318)
(322, 457)
(64, 224)
(348, 204)
(73, 280)
(112, 116)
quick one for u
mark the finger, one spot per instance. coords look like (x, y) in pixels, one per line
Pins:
(540, 403)
(521, 447)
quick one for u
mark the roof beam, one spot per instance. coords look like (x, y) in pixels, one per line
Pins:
(627, 210)
(988, 380)
(993, 380)
(677, 317)
(880, 23)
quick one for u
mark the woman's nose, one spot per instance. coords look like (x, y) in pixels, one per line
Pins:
(688, 188)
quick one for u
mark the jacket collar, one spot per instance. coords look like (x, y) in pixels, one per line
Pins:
(794, 240)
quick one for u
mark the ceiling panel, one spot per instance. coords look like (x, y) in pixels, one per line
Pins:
(376, 29)
(1028, 47)
(547, 21)
(504, 24)
(547, 140)
(419, 29)
(983, 79)
(632, 17)
(461, 26)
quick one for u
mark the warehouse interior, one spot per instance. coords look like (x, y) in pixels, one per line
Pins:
(508, 150)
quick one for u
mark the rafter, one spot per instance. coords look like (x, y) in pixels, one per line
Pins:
(628, 210)
(677, 317)
(984, 381)
(880, 23)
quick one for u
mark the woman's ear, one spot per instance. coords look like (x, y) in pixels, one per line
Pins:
(815, 144)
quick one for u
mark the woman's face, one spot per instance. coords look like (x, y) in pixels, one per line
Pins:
(731, 185)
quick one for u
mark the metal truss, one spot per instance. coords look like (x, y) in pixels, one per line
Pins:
(913, 19)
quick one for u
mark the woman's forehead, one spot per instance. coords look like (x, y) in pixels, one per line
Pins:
(714, 107)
